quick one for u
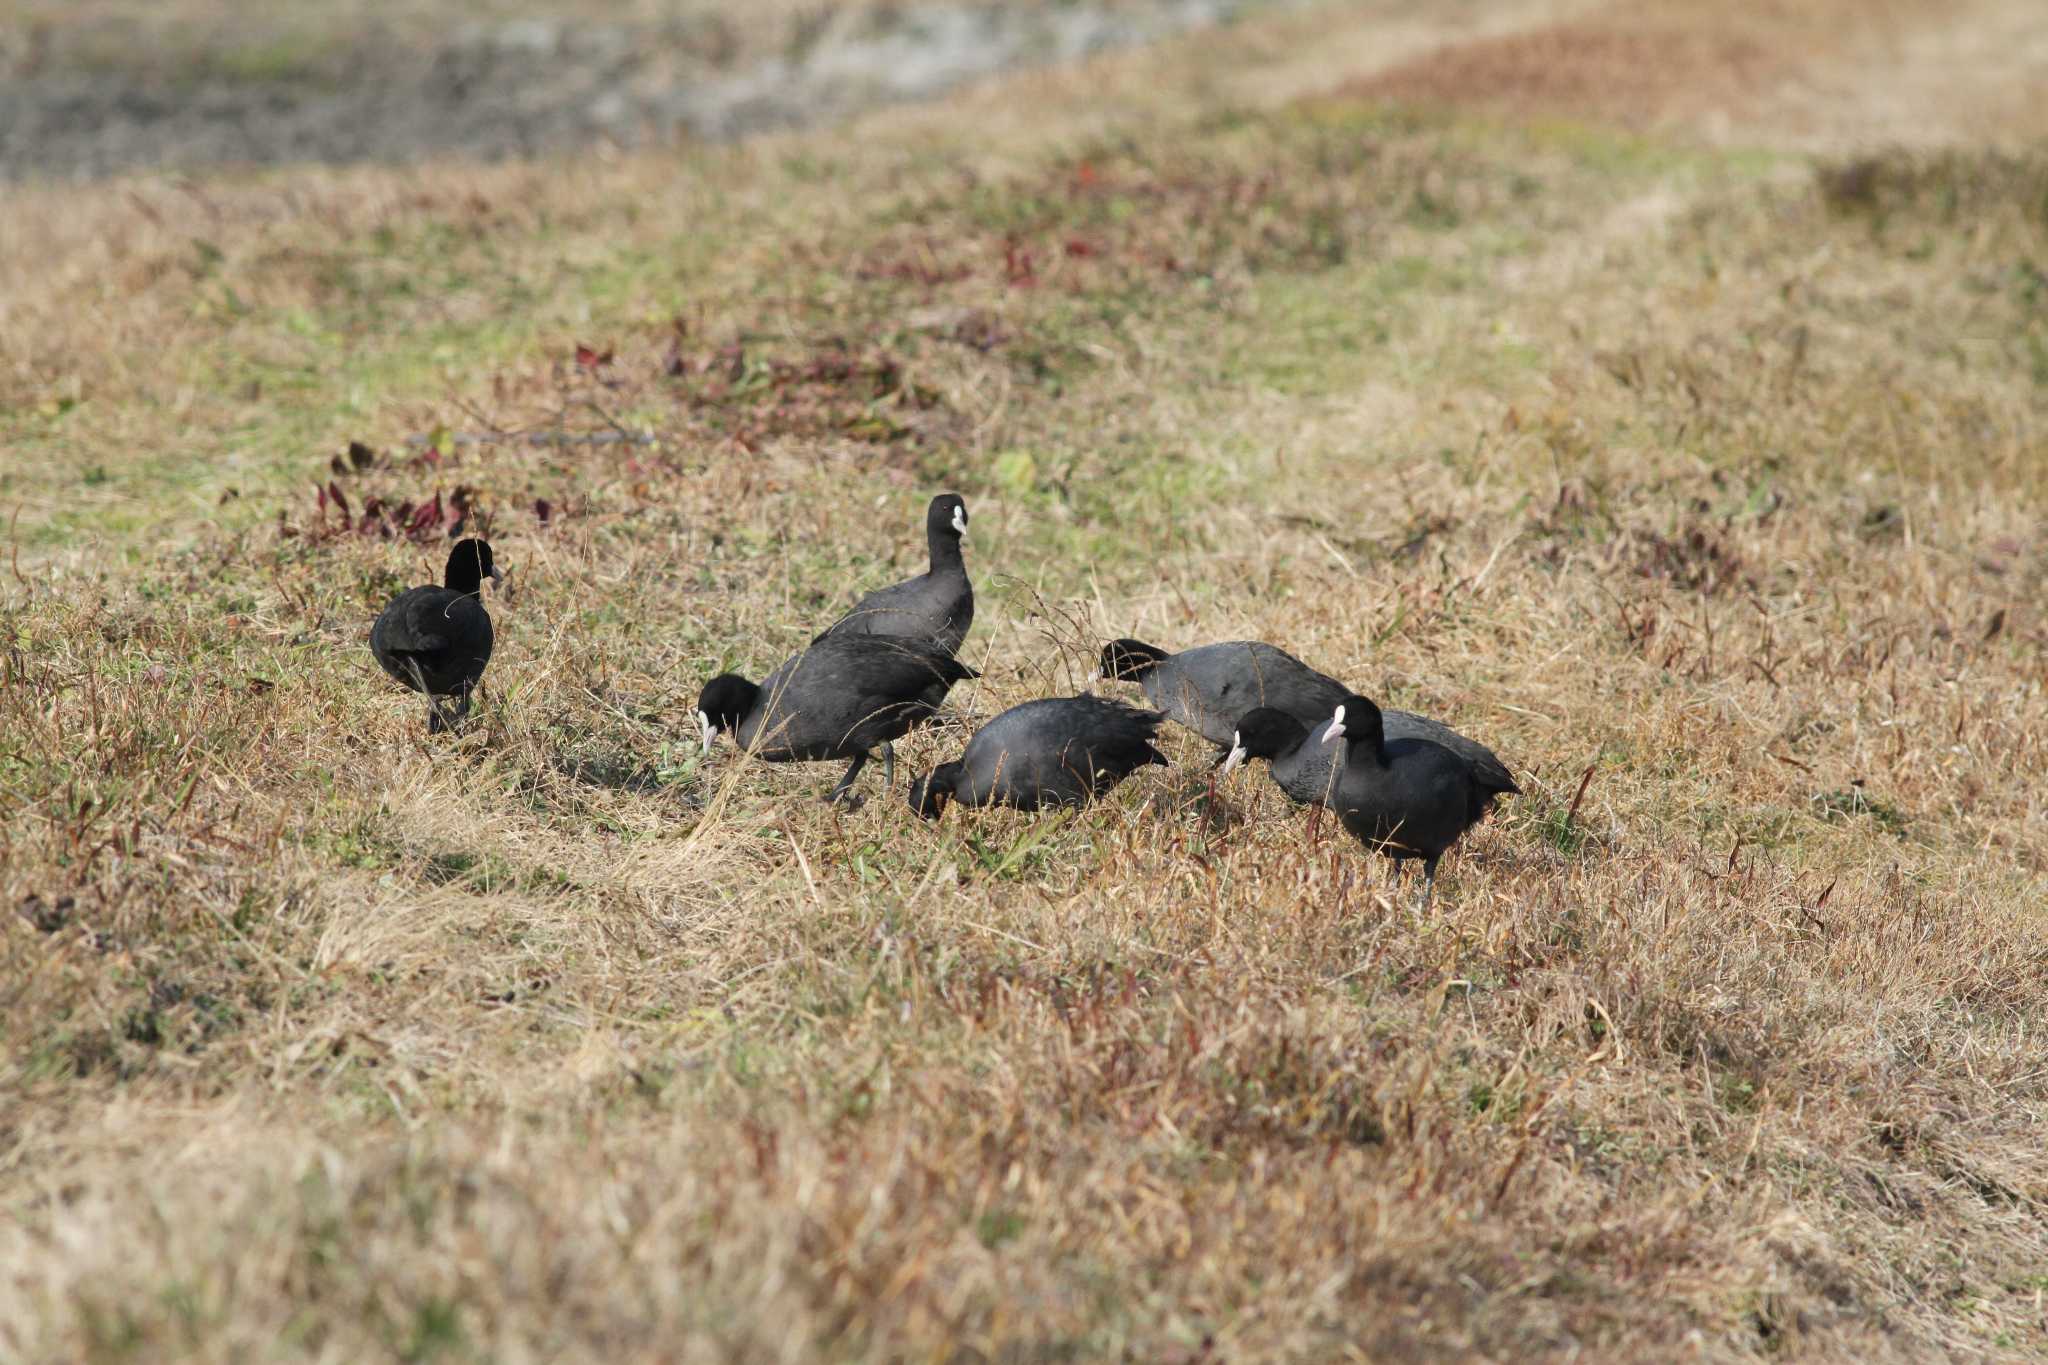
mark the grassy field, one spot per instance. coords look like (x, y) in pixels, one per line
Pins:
(1667, 434)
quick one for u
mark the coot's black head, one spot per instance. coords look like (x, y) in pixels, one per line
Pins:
(469, 563)
(1357, 720)
(1130, 660)
(723, 704)
(1264, 733)
(929, 794)
(946, 519)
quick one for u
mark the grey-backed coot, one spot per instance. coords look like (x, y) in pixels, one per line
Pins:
(937, 605)
(1405, 798)
(1211, 687)
(840, 698)
(437, 640)
(1060, 751)
(1300, 765)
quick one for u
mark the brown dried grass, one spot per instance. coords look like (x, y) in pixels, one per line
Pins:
(1721, 486)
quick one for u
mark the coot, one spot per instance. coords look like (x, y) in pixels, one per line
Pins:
(1405, 798)
(840, 698)
(937, 605)
(1211, 687)
(437, 640)
(1060, 751)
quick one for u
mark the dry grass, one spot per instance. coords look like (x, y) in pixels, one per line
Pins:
(1717, 477)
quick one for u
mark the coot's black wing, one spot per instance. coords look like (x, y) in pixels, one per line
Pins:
(1487, 776)
(1211, 687)
(436, 636)
(934, 607)
(848, 693)
(1116, 739)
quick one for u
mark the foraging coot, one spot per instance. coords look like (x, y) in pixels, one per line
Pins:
(1300, 766)
(1210, 688)
(1060, 751)
(840, 698)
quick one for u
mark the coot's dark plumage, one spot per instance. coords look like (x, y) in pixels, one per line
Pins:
(1061, 751)
(1300, 765)
(840, 698)
(1211, 687)
(937, 605)
(1405, 798)
(437, 640)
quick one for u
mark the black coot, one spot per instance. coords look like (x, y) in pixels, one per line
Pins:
(1061, 751)
(937, 605)
(1405, 798)
(840, 698)
(437, 640)
(1211, 687)
(1300, 765)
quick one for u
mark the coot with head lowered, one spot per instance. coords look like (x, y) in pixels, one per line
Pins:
(1059, 751)
(842, 698)
(1211, 688)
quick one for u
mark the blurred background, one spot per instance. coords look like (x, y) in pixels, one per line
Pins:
(91, 88)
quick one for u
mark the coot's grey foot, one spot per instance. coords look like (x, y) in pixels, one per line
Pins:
(436, 722)
(842, 792)
(889, 765)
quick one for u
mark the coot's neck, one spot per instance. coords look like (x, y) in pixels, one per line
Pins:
(746, 701)
(1134, 666)
(464, 574)
(945, 548)
(1292, 739)
(946, 777)
(1364, 740)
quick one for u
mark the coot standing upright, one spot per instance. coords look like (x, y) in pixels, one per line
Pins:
(937, 605)
(436, 641)
(841, 698)
(1405, 798)
(1211, 687)
(1058, 751)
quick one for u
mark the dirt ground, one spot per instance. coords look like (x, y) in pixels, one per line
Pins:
(1814, 74)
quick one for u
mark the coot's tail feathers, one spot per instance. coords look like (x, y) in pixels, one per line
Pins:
(932, 654)
(1489, 774)
(1485, 791)
(1119, 734)
(1115, 719)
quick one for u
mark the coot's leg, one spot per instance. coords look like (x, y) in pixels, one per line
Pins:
(436, 722)
(889, 764)
(1428, 882)
(841, 792)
